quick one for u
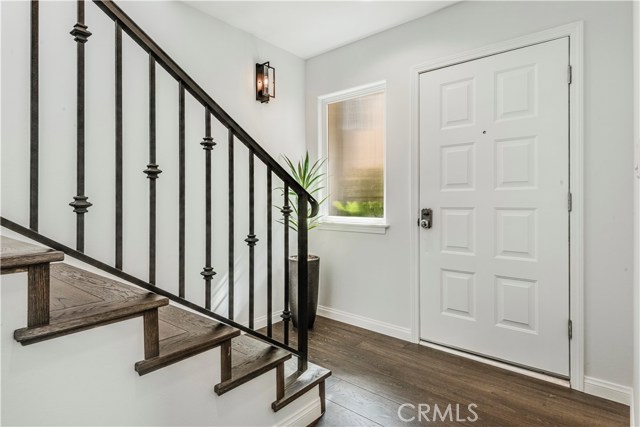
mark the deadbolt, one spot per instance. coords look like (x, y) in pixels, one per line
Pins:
(426, 218)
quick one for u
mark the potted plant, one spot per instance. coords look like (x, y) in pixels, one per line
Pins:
(309, 176)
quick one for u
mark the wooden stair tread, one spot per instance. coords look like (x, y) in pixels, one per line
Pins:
(297, 384)
(250, 358)
(16, 255)
(184, 334)
(81, 300)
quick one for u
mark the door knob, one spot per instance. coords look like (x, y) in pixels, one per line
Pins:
(426, 218)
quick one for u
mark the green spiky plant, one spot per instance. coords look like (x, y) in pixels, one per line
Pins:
(370, 209)
(309, 176)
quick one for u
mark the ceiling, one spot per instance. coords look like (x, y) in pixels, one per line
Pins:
(308, 28)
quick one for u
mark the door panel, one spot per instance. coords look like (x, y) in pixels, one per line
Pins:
(494, 169)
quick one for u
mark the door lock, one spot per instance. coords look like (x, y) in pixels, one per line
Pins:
(426, 218)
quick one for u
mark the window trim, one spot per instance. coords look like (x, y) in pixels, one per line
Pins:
(343, 223)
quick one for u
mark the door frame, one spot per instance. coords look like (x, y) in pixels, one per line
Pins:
(576, 176)
(635, 400)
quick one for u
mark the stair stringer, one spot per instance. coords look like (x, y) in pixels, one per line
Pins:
(88, 379)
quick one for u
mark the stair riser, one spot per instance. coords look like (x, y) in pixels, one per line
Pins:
(297, 384)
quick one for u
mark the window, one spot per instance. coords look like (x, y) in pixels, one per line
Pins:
(353, 142)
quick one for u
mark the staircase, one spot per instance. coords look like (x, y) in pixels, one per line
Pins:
(96, 291)
(79, 300)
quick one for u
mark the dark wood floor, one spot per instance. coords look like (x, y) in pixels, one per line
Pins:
(374, 374)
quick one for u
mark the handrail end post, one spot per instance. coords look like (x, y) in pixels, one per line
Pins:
(303, 281)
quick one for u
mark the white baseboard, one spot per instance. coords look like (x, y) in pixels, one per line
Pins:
(366, 323)
(608, 390)
(303, 417)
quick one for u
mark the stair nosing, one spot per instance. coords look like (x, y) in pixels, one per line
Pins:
(9, 263)
(15, 260)
(137, 307)
(147, 366)
(228, 385)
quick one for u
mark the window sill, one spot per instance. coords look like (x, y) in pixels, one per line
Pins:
(354, 227)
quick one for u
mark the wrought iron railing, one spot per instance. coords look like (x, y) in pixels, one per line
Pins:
(307, 206)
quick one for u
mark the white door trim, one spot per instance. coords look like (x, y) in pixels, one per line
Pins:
(635, 401)
(576, 164)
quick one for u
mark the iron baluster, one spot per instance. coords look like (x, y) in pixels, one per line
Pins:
(118, 116)
(181, 197)
(269, 257)
(251, 240)
(207, 145)
(231, 248)
(80, 202)
(152, 171)
(286, 213)
(34, 124)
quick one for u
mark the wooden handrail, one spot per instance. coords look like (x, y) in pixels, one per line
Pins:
(136, 33)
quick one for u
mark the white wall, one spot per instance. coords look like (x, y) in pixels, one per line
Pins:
(375, 283)
(88, 379)
(222, 60)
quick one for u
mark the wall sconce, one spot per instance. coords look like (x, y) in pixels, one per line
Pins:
(265, 82)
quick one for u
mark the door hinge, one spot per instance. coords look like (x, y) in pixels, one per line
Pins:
(570, 329)
(569, 202)
(569, 74)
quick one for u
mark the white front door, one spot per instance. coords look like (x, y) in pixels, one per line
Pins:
(494, 170)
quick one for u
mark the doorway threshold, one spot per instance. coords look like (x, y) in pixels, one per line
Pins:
(500, 364)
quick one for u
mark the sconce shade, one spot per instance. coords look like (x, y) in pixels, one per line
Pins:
(265, 82)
